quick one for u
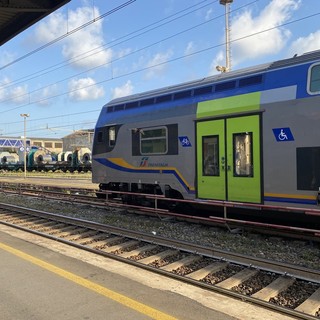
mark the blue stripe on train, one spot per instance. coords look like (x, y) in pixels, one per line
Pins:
(115, 166)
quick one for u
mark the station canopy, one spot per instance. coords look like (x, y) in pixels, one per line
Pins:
(18, 15)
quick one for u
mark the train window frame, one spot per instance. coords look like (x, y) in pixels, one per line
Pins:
(237, 163)
(307, 168)
(311, 81)
(100, 136)
(112, 136)
(144, 138)
(210, 162)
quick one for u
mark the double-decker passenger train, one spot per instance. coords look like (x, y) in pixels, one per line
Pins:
(250, 136)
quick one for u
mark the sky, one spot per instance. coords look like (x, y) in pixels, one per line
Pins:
(63, 69)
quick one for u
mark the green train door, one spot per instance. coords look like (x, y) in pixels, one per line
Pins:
(228, 159)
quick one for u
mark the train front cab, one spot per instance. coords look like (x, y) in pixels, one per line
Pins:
(229, 149)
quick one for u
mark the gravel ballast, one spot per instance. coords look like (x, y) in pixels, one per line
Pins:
(297, 252)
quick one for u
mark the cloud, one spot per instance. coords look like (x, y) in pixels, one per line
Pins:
(84, 89)
(84, 46)
(305, 44)
(189, 49)
(122, 91)
(209, 14)
(13, 94)
(157, 64)
(43, 96)
(51, 28)
(6, 57)
(276, 13)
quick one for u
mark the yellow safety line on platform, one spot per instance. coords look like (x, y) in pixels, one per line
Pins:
(128, 302)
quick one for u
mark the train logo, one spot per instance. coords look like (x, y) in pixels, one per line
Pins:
(144, 162)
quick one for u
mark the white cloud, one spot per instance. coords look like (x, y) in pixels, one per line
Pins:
(3, 91)
(306, 44)
(189, 49)
(50, 29)
(84, 45)
(157, 64)
(43, 96)
(209, 14)
(84, 89)
(13, 94)
(277, 12)
(122, 91)
(6, 57)
(274, 14)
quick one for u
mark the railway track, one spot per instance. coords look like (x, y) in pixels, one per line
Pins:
(87, 196)
(285, 288)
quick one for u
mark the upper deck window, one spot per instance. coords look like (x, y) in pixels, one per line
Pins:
(314, 79)
(154, 141)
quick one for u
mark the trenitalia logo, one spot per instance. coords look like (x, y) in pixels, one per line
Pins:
(145, 163)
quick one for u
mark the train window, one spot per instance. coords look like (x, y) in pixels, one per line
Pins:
(110, 109)
(119, 107)
(100, 136)
(250, 80)
(314, 79)
(242, 154)
(164, 98)
(308, 168)
(132, 105)
(183, 94)
(202, 90)
(112, 136)
(225, 86)
(154, 141)
(210, 156)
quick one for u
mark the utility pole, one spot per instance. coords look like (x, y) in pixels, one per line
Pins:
(25, 116)
(227, 68)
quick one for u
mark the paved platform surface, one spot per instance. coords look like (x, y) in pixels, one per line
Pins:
(44, 279)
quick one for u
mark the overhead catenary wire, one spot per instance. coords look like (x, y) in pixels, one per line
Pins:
(68, 33)
(131, 53)
(155, 65)
(130, 36)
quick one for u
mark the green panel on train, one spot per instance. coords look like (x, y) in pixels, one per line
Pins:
(229, 152)
(235, 104)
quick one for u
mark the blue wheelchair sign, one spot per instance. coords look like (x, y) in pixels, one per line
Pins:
(283, 134)
(185, 142)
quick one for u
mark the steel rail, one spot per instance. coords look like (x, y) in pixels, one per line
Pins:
(279, 268)
(81, 195)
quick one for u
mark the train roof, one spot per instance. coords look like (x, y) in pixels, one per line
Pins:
(250, 75)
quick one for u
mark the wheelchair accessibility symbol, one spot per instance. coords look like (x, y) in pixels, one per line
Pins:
(283, 134)
(185, 142)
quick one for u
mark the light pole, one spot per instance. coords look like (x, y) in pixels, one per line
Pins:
(25, 116)
(227, 68)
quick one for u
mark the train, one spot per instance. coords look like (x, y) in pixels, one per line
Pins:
(41, 160)
(247, 136)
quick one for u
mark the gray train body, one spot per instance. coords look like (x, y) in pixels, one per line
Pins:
(250, 136)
